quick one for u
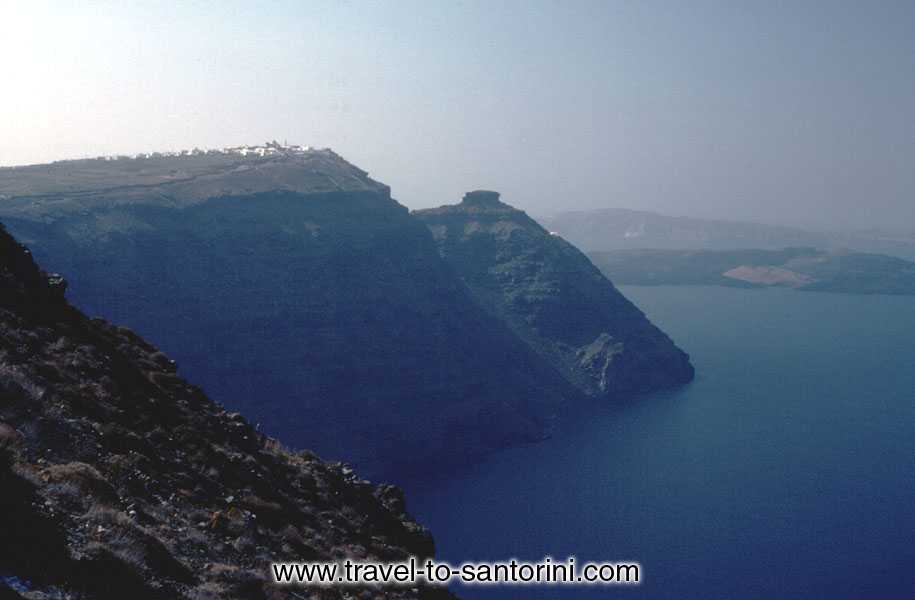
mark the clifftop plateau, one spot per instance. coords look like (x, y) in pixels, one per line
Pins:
(60, 188)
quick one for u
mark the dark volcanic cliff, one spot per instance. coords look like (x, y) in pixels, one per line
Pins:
(554, 298)
(295, 290)
(120, 480)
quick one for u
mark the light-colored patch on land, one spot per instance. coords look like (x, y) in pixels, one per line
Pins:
(765, 275)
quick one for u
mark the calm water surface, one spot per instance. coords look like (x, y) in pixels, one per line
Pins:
(786, 470)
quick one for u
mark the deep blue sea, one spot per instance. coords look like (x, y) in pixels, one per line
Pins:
(785, 471)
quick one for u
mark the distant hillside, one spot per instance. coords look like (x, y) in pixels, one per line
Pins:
(620, 229)
(294, 289)
(801, 268)
(554, 299)
(121, 481)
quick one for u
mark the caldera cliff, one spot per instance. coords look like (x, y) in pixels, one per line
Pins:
(554, 299)
(295, 290)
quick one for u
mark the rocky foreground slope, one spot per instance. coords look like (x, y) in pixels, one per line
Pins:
(295, 290)
(554, 298)
(119, 480)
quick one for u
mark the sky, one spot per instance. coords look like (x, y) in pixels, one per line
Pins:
(789, 112)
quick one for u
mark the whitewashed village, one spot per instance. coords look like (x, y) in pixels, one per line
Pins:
(273, 148)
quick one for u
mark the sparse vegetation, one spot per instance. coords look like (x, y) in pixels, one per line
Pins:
(120, 480)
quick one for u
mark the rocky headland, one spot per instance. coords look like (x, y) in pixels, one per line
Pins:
(554, 299)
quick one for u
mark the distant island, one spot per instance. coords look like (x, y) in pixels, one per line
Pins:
(804, 268)
(610, 229)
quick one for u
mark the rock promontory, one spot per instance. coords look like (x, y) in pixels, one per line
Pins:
(554, 299)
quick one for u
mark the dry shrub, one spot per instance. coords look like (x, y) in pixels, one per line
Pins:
(270, 514)
(133, 545)
(68, 495)
(235, 582)
(10, 439)
(85, 477)
(16, 384)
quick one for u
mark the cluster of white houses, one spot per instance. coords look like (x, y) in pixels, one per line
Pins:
(268, 149)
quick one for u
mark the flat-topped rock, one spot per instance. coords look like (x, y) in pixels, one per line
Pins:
(482, 198)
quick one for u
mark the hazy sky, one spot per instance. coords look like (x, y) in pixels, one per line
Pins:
(790, 112)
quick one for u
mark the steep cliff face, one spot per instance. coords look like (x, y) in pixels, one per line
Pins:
(295, 290)
(120, 480)
(554, 298)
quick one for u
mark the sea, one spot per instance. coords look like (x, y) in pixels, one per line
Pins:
(786, 470)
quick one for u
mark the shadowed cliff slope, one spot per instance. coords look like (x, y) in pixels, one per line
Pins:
(120, 480)
(295, 290)
(554, 298)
